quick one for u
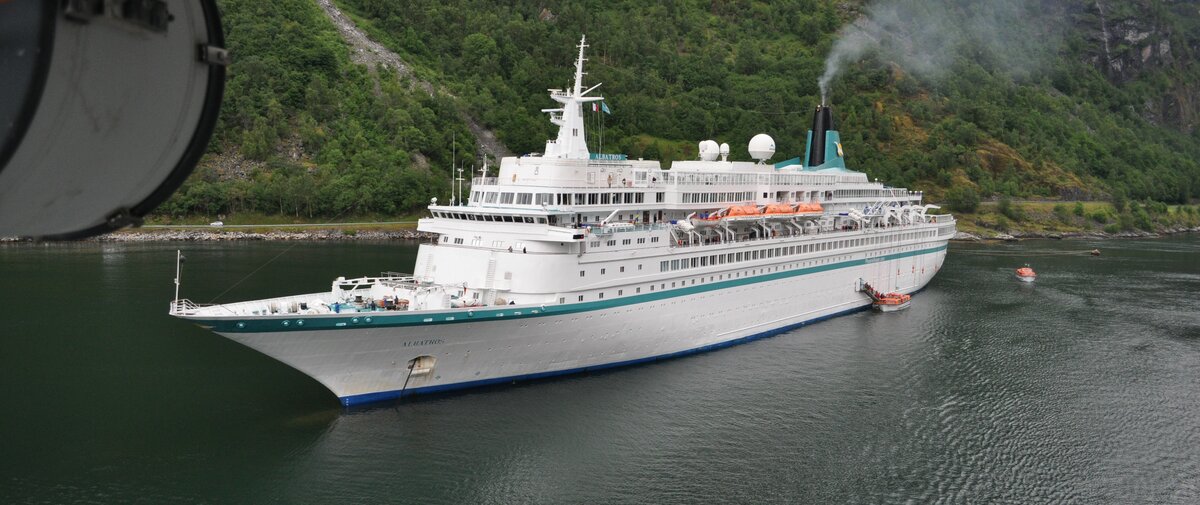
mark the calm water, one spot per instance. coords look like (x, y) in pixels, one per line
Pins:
(1082, 389)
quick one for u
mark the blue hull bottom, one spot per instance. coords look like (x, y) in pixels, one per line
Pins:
(349, 401)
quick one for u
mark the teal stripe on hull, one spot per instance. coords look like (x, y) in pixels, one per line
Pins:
(362, 320)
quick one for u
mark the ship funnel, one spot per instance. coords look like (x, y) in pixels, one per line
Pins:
(824, 144)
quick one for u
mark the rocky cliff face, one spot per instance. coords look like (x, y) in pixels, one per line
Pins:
(1149, 44)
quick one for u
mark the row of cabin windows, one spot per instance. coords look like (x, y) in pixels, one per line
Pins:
(489, 217)
(717, 277)
(605, 198)
(478, 241)
(758, 254)
(721, 259)
(603, 271)
(851, 193)
(596, 243)
(734, 196)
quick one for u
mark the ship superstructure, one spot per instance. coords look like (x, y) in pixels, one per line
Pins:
(570, 260)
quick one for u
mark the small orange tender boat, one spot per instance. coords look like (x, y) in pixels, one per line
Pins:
(891, 302)
(1026, 274)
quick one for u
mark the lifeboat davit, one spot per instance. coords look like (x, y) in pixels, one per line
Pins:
(891, 302)
(1026, 274)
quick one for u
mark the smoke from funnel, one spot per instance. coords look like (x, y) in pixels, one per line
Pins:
(924, 37)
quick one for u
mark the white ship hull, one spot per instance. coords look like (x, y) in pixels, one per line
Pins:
(362, 365)
(571, 260)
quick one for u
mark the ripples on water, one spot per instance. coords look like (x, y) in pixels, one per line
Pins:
(1082, 388)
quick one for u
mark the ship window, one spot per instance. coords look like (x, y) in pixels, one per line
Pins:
(543, 199)
(445, 238)
(458, 241)
(581, 273)
(639, 198)
(529, 219)
(562, 300)
(601, 295)
(604, 198)
(592, 198)
(660, 197)
(581, 298)
(524, 198)
(651, 287)
(491, 197)
(622, 269)
(639, 290)
(620, 292)
(506, 198)
(663, 266)
(602, 271)
(639, 267)
(653, 239)
(625, 242)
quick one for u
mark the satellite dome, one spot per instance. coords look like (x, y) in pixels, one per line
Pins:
(709, 150)
(762, 147)
(724, 149)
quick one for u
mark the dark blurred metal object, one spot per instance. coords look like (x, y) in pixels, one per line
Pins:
(105, 108)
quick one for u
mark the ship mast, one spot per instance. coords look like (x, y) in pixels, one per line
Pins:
(571, 141)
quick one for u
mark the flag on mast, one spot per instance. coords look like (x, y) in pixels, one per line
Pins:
(595, 108)
(604, 106)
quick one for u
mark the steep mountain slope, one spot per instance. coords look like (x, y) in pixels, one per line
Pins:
(305, 131)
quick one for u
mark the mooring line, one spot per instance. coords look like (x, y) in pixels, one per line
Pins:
(281, 253)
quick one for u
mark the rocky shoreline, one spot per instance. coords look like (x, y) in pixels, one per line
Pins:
(223, 236)
(1014, 236)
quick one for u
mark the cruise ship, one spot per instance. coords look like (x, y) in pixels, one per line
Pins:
(569, 261)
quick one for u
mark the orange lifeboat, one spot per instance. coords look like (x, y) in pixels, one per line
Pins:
(891, 302)
(779, 208)
(1026, 274)
(808, 208)
(742, 212)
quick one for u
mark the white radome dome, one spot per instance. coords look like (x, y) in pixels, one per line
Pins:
(724, 149)
(762, 147)
(709, 150)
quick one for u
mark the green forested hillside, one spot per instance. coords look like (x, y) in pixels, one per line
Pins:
(306, 132)
(1113, 113)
